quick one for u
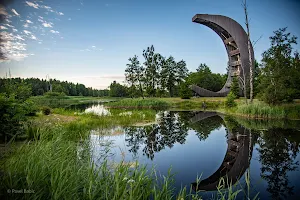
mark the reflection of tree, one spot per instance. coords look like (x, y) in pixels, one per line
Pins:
(172, 129)
(204, 127)
(277, 160)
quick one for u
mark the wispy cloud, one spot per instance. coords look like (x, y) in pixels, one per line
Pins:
(47, 25)
(15, 12)
(29, 22)
(53, 31)
(3, 28)
(31, 4)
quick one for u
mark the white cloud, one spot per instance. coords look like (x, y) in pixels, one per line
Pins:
(33, 37)
(41, 17)
(53, 31)
(31, 4)
(15, 30)
(27, 32)
(3, 28)
(19, 37)
(69, 19)
(47, 25)
(60, 13)
(93, 46)
(15, 12)
(26, 25)
(8, 25)
(29, 22)
(3, 11)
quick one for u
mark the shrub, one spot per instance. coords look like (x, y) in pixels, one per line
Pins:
(46, 110)
(55, 94)
(229, 103)
(185, 92)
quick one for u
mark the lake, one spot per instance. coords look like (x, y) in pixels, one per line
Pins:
(211, 146)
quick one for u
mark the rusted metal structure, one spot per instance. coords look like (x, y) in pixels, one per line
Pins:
(235, 40)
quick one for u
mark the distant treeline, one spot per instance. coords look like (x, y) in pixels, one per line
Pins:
(41, 86)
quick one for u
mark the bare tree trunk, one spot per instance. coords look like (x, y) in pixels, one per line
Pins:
(249, 51)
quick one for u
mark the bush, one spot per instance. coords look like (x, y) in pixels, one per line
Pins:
(55, 94)
(46, 110)
(12, 115)
(185, 92)
(229, 103)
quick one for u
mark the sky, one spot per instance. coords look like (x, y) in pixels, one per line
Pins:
(90, 41)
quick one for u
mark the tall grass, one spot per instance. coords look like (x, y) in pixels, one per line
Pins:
(262, 110)
(139, 103)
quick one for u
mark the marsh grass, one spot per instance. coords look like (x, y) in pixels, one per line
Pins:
(139, 103)
(264, 111)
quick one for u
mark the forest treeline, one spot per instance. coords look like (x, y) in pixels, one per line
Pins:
(41, 86)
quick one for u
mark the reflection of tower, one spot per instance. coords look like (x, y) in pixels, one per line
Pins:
(49, 86)
(236, 160)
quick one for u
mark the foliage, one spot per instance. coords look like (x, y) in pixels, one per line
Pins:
(280, 70)
(229, 103)
(158, 77)
(117, 90)
(41, 86)
(262, 110)
(235, 89)
(134, 74)
(55, 94)
(11, 116)
(46, 110)
(206, 79)
(185, 92)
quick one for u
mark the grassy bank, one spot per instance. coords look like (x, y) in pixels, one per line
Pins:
(257, 110)
(55, 102)
(260, 110)
(139, 103)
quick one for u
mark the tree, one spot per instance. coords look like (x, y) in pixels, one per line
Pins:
(134, 74)
(249, 51)
(279, 70)
(152, 61)
(117, 90)
(235, 89)
(172, 74)
(206, 79)
(185, 92)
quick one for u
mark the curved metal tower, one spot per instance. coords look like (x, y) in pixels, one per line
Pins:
(235, 40)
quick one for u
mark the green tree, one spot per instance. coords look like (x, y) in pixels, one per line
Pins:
(278, 82)
(117, 90)
(206, 79)
(134, 74)
(235, 89)
(185, 92)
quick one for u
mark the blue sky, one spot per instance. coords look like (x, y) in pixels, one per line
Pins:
(90, 41)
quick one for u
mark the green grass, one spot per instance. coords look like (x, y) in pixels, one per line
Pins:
(139, 103)
(264, 111)
(56, 102)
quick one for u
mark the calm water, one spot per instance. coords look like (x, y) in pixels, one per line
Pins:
(211, 146)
